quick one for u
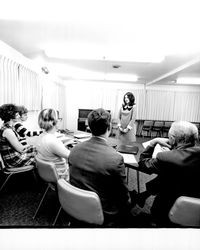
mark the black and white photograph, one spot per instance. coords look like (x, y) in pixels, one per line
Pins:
(99, 124)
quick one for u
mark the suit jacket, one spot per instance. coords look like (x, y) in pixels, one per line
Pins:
(96, 166)
(178, 173)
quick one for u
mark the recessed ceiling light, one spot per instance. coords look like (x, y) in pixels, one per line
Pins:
(116, 66)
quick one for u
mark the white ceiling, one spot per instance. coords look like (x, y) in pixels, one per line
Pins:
(97, 28)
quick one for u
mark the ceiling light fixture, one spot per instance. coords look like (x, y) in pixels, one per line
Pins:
(188, 80)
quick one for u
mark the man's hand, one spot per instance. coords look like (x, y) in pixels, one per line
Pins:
(164, 142)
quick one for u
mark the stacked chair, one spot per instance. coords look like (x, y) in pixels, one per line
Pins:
(157, 128)
(147, 126)
(166, 128)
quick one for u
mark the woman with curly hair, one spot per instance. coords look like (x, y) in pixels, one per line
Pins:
(13, 153)
(19, 127)
(127, 116)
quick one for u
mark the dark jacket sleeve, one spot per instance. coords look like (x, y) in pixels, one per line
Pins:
(120, 177)
(147, 163)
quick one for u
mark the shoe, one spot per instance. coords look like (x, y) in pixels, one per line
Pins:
(141, 199)
(136, 198)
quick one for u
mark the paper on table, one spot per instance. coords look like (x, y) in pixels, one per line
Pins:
(157, 148)
(82, 135)
(128, 158)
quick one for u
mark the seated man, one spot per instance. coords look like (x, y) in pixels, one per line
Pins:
(96, 166)
(177, 170)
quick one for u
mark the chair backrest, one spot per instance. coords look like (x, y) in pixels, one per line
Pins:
(81, 204)
(158, 124)
(46, 170)
(167, 125)
(186, 211)
(148, 124)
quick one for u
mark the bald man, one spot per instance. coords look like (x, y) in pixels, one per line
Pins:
(178, 170)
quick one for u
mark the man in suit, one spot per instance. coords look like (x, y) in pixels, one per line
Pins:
(96, 166)
(177, 170)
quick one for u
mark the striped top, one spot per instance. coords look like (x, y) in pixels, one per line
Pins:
(23, 132)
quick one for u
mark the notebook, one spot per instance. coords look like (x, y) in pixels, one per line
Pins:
(128, 149)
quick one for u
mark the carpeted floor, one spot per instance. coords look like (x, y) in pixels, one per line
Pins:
(21, 196)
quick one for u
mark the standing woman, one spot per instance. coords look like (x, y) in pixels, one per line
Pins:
(127, 116)
(13, 153)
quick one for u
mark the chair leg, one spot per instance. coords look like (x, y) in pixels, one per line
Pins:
(57, 215)
(127, 175)
(41, 201)
(8, 177)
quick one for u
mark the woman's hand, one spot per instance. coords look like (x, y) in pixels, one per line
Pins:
(126, 130)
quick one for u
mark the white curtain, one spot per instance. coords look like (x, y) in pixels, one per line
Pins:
(54, 95)
(187, 106)
(9, 81)
(159, 105)
(19, 85)
(29, 90)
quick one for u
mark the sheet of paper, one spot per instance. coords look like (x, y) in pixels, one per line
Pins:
(82, 135)
(128, 158)
(157, 148)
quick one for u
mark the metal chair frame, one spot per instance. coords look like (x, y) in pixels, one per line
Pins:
(147, 127)
(47, 172)
(9, 172)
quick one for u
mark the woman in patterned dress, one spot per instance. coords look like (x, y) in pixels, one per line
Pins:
(127, 116)
(13, 153)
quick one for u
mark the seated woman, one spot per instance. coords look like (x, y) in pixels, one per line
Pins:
(13, 153)
(49, 147)
(20, 129)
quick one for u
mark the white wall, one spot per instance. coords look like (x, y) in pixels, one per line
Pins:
(91, 95)
(108, 95)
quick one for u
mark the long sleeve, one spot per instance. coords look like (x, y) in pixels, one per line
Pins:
(119, 118)
(147, 163)
(120, 177)
(22, 131)
(133, 118)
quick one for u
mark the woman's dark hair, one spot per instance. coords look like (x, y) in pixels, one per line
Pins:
(22, 110)
(131, 98)
(99, 121)
(8, 112)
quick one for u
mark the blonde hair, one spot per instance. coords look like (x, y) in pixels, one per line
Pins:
(47, 119)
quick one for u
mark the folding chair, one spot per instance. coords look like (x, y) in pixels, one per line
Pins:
(157, 127)
(47, 172)
(12, 171)
(147, 127)
(166, 128)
